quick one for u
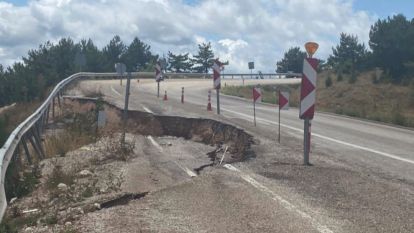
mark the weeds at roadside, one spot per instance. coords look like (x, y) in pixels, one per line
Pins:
(14, 225)
(58, 176)
(112, 148)
(18, 184)
(69, 230)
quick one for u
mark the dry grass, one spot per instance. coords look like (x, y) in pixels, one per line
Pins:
(380, 102)
(61, 143)
(15, 115)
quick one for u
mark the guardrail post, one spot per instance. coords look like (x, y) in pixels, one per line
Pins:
(40, 123)
(15, 156)
(38, 142)
(58, 97)
(30, 138)
(26, 150)
(53, 109)
(47, 115)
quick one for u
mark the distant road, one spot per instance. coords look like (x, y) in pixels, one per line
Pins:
(374, 144)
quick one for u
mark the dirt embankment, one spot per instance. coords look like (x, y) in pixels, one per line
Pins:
(207, 131)
(200, 130)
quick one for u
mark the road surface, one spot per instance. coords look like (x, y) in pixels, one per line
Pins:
(362, 178)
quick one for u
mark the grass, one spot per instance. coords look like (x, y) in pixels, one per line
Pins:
(80, 132)
(269, 94)
(14, 225)
(58, 176)
(13, 116)
(351, 96)
(18, 184)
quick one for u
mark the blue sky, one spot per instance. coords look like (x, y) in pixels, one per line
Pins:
(384, 8)
(239, 30)
(380, 8)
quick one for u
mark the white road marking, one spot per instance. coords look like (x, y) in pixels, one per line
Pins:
(155, 143)
(329, 139)
(289, 206)
(147, 109)
(115, 91)
(185, 169)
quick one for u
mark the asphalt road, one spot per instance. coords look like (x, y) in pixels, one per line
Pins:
(362, 178)
(376, 145)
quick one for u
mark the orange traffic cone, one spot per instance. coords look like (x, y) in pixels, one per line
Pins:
(165, 96)
(209, 101)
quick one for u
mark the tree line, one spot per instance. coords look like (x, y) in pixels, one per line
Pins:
(45, 66)
(391, 50)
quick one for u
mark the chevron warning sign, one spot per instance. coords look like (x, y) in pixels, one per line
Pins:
(217, 67)
(283, 100)
(308, 89)
(158, 74)
(257, 94)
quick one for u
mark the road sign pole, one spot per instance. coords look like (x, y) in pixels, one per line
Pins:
(254, 112)
(306, 142)
(218, 101)
(158, 89)
(279, 119)
(126, 108)
(309, 136)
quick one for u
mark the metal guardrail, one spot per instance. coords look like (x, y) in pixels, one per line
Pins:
(31, 129)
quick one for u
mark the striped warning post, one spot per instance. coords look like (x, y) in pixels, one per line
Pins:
(217, 66)
(307, 90)
(158, 74)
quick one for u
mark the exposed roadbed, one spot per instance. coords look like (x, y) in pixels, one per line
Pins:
(268, 192)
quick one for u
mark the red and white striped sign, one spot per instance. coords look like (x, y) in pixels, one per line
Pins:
(217, 67)
(308, 89)
(257, 94)
(283, 100)
(158, 74)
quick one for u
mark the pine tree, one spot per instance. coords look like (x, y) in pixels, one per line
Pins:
(349, 55)
(137, 56)
(179, 63)
(113, 52)
(203, 61)
(292, 61)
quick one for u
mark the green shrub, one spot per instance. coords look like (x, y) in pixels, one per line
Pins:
(339, 78)
(353, 78)
(328, 82)
(398, 118)
(17, 185)
(374, 79)
(58, 176)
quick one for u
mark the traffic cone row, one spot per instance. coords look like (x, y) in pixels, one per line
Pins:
(182, 98)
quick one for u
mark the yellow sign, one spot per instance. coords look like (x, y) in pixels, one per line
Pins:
(311, 48)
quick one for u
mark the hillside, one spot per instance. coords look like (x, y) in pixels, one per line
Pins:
(380, 102)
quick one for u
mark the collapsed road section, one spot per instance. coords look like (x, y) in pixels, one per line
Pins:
(99, 175)
(207, 131)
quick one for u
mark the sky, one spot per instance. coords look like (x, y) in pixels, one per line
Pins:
(239, 30)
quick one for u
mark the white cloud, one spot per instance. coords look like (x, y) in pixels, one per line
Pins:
(240, 30)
